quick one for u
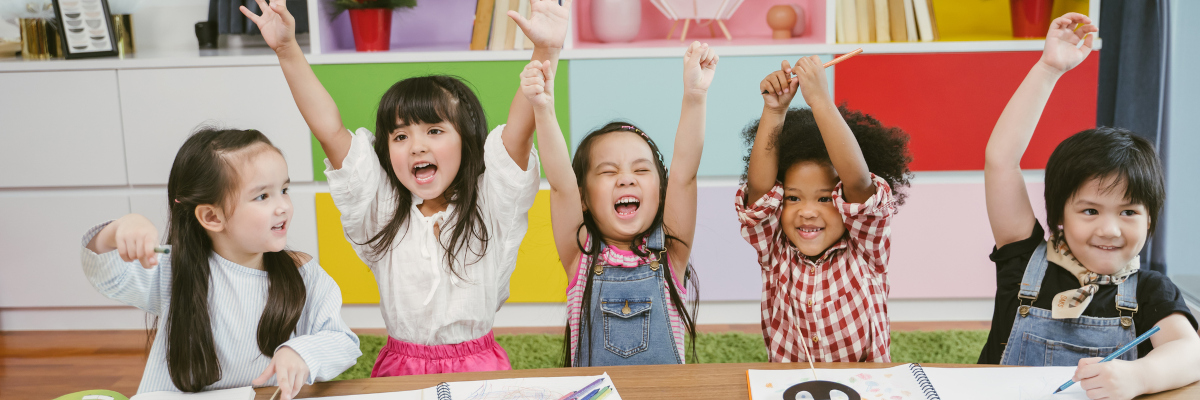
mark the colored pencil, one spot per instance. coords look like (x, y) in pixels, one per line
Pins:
(1116, 354)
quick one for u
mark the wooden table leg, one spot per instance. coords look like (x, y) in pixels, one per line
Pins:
(683, 35)
(673, 26)
(722, 25)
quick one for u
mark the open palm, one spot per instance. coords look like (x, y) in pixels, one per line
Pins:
(1061, 52)
(547, 23)
(276, 23)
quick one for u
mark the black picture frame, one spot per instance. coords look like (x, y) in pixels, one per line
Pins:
(85, 27)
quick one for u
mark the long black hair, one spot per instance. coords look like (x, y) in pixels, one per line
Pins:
(204, 173)
(430, 100)
(581, 164)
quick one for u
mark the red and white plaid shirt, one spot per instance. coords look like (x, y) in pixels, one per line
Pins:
(836, 306)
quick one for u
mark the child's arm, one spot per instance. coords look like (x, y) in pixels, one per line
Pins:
(777, 89)
(1174, 362)
(323, 346)
(699, 66)
(844, 153)
(1009, 211)
(566, 206)
(320, 112)
(547, 29)
(118, 275)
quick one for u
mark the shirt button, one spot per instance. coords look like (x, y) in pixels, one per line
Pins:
(816, 339)
(810, 302)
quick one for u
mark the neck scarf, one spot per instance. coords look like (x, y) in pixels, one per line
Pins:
(1071, 303)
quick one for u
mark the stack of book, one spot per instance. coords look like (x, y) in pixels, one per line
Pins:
(494, 30)
(864, 21)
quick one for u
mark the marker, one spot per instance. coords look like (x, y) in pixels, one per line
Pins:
(589, 395)
(835, 61)
(603, 393)
(1116, 354)
(162, 249)
(567, 396)
(585, 389)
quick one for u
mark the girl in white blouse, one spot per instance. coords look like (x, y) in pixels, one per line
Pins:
(434, 205)
(233, 306)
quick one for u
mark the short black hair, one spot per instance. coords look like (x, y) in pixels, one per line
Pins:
(885, 148)
(1104, 153)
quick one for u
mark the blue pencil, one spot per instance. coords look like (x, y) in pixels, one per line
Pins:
(589, 395)
(579, 394)
(1116, 354)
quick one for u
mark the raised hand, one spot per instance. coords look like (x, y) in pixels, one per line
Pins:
(810, 73)
(699, 66)
(276, 23)
(547, 23)
(1062, 50)
(537, 83)
(778, 88)
(135, 238)
(290, 372)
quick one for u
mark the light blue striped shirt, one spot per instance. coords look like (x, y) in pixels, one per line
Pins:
(237, 296)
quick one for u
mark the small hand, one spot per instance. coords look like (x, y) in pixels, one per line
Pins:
(547, 23)
(537, 83)
(1116, 379)
(276, 23)
(1061, 53)
(811, 74)
(290, 372)
(135, 238)
(778, 88)
(699, 67)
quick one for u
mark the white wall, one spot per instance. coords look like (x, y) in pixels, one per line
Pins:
(1183, 167)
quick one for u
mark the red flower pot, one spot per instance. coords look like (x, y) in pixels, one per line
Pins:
(1031, 18)
(372, 28)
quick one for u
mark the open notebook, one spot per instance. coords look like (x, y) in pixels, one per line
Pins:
(496, 389)
(913, 382)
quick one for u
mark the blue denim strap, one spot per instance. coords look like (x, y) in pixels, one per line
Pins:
(655, 242)
(1031, 283)
(1127, 293)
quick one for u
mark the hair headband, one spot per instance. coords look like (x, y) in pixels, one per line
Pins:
(634, 129)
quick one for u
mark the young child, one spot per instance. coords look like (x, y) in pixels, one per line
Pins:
(612, 250)
(434, 205)
(817, 206)
(233, 306)
(1080, 295)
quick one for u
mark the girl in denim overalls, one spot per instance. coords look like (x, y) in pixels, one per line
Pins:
(623, 227)
(1104, 188)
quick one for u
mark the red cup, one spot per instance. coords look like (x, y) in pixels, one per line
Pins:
(1031, 18)
(372, 28)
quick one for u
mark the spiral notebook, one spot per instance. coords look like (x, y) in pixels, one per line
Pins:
(496, 389)
(914, 382)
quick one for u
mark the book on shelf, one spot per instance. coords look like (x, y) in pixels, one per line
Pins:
(483, 24)
(849, 17)
(499, 19)
(924, 17)
(865, 21)
(863, 16)
(910, 21)
(896, 20)
(839, 22)
(522, 40)
(882, 25)
(510, 36)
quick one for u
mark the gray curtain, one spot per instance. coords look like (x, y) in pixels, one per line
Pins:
(230, 20)
(1133, 85)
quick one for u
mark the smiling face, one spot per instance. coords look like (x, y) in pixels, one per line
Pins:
(809, 219)
(623, 184)
(1104, 229)
(261, 209)
(425, 157)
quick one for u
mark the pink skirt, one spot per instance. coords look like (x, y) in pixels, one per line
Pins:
(401, 358)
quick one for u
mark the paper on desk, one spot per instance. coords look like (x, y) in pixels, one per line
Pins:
(497, 389)
(1016, 383)
(242, 393)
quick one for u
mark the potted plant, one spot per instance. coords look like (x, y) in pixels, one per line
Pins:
(371, 21)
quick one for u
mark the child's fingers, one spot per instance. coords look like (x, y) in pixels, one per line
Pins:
(786, 67)
(151, 258)
(548, 71)
(250, 15)
(521, 21)
(265, 375)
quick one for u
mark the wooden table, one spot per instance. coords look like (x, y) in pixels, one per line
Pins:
(693, 381)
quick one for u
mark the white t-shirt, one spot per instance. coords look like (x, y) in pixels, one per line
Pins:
(422, 302)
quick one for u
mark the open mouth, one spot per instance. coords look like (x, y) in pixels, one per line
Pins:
(809, 231)
(627, 206)
(424, 172)
(1107, 248)
(282, 226)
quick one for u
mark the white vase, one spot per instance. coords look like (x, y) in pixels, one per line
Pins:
(616, 21)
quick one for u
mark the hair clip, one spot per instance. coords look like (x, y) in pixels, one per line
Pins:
(176, 201)
(634, 129)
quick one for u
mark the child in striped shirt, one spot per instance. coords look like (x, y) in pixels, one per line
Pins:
(233, 306)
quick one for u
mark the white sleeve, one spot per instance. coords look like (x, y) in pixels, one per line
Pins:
(509, 189)
(360, 189)
(127, 282)
(322, 339)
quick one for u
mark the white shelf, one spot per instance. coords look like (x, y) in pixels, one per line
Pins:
(264, 56)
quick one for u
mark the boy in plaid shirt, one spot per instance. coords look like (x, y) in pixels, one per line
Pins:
(817, 207)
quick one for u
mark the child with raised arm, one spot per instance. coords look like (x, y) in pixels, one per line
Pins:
(817, 207)
(434, 205)
(619, 219)
(1081, 294)
(233, 306)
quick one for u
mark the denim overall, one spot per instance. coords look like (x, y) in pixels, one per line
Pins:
(1036, 339)
(629, 316)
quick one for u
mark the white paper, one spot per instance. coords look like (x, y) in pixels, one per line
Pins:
(242, 393)
(528, 388)
(895, 383)
(1013, 383)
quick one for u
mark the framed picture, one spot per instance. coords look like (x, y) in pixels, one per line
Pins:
(86, 28)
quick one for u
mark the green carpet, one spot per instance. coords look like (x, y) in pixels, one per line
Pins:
(545, 351)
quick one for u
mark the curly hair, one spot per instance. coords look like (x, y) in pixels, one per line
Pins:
(885, 148)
